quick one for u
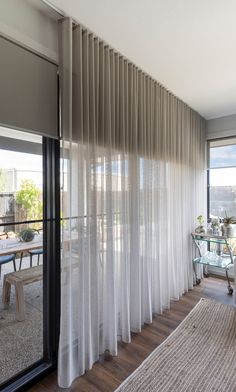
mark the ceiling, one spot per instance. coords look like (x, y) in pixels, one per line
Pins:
(187, 45)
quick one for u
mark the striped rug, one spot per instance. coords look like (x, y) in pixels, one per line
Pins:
(200, 355)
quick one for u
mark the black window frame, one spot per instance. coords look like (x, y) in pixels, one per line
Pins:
(51, 272)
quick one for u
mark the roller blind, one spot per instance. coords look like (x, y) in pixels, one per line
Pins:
(28, 90)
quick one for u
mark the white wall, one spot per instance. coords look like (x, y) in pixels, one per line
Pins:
(31, 23)
(221, 127)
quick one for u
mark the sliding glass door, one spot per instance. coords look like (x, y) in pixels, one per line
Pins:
(28, 241)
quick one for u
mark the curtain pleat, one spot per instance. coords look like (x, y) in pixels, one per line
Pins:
(133, 183)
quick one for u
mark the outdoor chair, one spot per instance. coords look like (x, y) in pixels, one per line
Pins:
(32, 252)
(7, 259)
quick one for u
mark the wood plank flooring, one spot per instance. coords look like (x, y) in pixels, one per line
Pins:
(105, 376)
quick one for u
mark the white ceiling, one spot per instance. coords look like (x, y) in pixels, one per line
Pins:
(187, 45)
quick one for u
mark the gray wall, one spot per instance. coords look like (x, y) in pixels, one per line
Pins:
(221, 127)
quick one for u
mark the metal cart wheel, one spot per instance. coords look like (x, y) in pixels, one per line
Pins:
(230, 290)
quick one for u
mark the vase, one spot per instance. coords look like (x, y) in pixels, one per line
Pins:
(224, 229)
(200, 229)
(230, 231)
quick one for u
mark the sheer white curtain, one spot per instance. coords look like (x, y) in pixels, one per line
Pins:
(133, 185)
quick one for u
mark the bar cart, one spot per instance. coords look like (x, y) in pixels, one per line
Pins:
(222, 256)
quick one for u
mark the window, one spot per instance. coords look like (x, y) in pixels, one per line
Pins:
(222, 178)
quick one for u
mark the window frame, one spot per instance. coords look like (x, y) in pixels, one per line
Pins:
(51, 272)
(208, 169)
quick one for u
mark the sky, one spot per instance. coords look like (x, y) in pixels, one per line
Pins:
(20, 161)
(223, 177)
(223, 157)
(28, 166)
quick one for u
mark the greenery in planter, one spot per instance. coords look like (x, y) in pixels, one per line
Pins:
(200, 228)
(29, 198)
(229, 220)
(200, 220)
(215, 222)
(227, 228)
(27, 235)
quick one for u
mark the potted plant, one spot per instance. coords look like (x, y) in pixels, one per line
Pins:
(200, 228)
(215, 223)
(227, 227)
(27, 235)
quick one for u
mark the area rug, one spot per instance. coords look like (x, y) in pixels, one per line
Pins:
(200, 355)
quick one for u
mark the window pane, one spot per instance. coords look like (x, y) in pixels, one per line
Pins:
(224, 156)
(21, 252)
(223, 192)
(20, 176)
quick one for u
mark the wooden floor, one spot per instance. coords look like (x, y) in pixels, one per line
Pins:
(105, 376)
